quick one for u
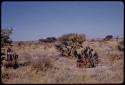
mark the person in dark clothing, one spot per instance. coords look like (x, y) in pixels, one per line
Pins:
(9, 54)
(15, 63)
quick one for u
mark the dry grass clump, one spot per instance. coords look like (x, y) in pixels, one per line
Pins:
(69, 43)
(121, 46)
(25, 58)
(38, 59)
(7, 74)
(114, 56)
(42, 63)
(29, 55)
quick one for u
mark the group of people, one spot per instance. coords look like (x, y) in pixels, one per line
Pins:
(11, 59)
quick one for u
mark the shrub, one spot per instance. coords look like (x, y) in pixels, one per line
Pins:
(73, 37)
(48, 39)
(20, 43)
(41, 40)
(108, 37)
(69, 43)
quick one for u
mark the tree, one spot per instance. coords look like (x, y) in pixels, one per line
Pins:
(5, 36)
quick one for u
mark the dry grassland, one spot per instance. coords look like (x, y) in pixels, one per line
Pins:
(41, 63)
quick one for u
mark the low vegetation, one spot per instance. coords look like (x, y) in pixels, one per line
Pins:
(42, 63)
(108, 37)
(69, 43)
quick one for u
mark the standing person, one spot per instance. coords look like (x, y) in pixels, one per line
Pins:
(15, 61)
(9, 53)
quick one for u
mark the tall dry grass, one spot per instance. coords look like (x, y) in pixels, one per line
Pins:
(42, 64)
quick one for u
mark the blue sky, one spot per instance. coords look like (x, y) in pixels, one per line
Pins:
(35, 20)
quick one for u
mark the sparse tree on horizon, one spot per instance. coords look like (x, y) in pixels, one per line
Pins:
(5, 36)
